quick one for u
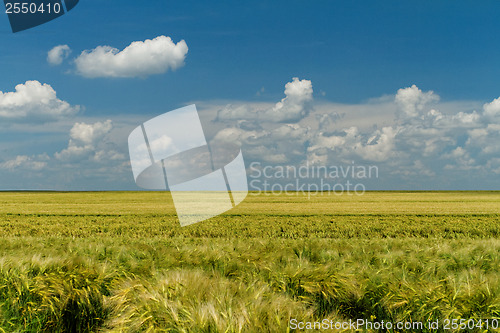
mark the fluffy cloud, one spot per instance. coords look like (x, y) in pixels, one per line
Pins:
(484, 140)
(93, 159)
(26, 163)
(86, 142)
(295, 106)
(416, 141)
(89, 134)
(379, 146)
(351, 144)
(412, 101)
(422, 142)
(420, 137)
(139, 59)
(32, 102)
(492, 109)
(297, 103)
(57, 55)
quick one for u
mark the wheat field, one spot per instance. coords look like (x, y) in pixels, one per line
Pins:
(120, 262)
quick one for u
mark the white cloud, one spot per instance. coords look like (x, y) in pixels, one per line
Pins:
(32, 102)
(415, 140)
(90, 133)
(139, 59)
(57, 55)
(297, 103)
(492, 109)
(484, 140)
(413, 136)
(412, 100)
(327, 121)
(461, 160)
(465, 119)
(86, 141)
(379, 147)
(95, 157)
(295, 106)
(278, 144)
(351, 144)
(26, 163)
(164, 144)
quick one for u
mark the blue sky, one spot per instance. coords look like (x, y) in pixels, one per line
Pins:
(356, 58)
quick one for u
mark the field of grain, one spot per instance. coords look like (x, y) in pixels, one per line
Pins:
(120, 262)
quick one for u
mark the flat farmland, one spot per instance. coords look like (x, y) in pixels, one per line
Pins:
(120, 262)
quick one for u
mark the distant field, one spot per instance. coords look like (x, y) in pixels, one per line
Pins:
(120, 262)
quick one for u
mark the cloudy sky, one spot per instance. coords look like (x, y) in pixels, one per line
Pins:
(411, 87)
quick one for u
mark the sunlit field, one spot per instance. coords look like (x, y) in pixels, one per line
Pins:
(120, 262)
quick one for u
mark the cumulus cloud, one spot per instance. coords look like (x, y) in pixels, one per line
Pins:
(415, 137)
(25, 162)
(422, 141)
(379, 146)
(139, 59)
(279, 144)
(492, 109)
(89, 134)
(94, 158)
(57, 55)
(416, 140)
(86, 142)
(327, 121)
(34, 101)
(296, 105)
(484, 140)
(351, 144)
(413, 101)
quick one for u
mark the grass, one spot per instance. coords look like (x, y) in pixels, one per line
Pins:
(119, 261)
